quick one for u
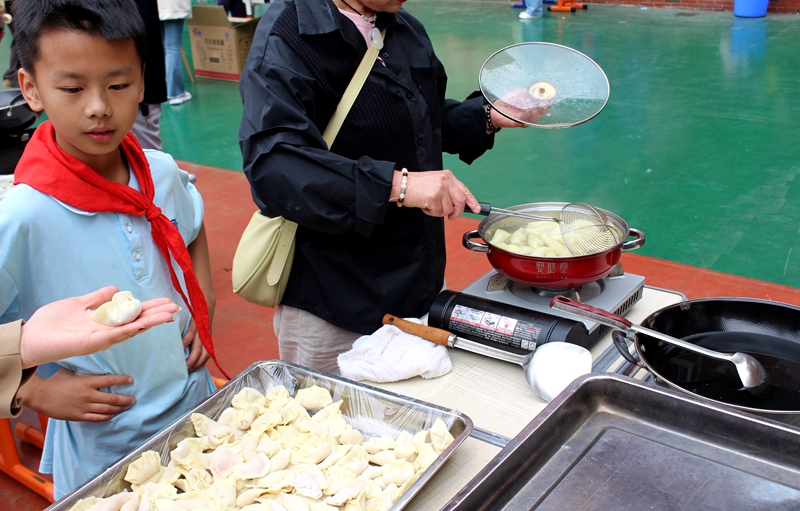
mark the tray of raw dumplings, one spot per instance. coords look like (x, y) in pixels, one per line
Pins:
(281, 437)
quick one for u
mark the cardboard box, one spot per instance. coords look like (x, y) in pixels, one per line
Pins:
(219, 44)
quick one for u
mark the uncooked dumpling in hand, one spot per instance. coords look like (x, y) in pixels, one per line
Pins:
(121, 310)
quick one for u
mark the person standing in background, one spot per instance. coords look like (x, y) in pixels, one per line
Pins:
(234, 8)
(172, 14)
(10, 76)
(533, 9)
(146, 127)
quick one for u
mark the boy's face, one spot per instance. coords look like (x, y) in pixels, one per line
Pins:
(90, 89)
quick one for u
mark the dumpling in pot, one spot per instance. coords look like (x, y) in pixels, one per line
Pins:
(500, 236)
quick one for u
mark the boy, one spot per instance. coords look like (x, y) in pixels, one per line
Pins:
(92, 209)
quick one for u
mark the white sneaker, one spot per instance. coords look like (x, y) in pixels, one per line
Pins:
(179, 100)
(525, 16)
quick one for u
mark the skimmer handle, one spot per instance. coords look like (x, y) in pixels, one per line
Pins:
(487, 209)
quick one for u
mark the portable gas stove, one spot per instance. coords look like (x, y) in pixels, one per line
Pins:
(504, 314)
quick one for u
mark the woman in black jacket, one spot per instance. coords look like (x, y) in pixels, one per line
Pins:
(358, 255)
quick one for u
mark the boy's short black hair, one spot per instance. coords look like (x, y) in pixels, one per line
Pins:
(111, 19)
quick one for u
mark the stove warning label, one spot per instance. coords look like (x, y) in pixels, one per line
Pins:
(494, 327)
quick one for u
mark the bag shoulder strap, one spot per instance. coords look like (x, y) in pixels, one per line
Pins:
(351, 93)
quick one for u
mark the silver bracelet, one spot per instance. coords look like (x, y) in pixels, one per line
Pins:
(403, 186)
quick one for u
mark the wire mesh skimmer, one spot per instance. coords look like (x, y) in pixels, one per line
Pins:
(585, 229)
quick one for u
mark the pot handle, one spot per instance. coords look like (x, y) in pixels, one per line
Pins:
(634, 243)
(619, 342)
(471, 245)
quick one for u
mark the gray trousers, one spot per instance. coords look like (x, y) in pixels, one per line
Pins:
(146, 127)
(306, 340)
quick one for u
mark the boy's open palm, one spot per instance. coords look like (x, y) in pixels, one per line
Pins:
(76, 397)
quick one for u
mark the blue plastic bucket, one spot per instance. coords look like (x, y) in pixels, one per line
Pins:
(750, 8)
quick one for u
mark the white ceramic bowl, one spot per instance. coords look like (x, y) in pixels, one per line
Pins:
(554, 365)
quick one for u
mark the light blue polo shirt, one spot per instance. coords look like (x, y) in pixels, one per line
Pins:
(50, 251)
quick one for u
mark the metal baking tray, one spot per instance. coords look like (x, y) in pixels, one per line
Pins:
(613, 443)
(372, 411)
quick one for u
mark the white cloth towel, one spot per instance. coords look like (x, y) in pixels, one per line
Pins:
(390, 354)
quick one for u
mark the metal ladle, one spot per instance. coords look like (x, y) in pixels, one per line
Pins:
(751, 372)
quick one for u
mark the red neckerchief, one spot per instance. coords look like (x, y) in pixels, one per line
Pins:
(47, 168)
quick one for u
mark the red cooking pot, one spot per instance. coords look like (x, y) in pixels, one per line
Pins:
(550, 272)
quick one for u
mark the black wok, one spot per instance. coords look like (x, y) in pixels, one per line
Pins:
(769, 331)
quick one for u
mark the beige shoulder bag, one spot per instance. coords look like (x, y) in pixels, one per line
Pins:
(264, 255)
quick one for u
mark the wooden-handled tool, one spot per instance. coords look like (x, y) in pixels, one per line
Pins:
(445, 338)
(428, 333)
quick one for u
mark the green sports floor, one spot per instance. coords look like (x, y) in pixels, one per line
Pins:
(698, 145)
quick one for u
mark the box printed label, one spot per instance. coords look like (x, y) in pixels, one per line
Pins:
(476, 323)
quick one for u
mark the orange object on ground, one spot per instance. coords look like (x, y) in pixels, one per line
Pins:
(567, 6)
(11, 464)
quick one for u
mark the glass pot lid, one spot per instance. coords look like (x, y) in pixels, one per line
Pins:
(544, 85)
